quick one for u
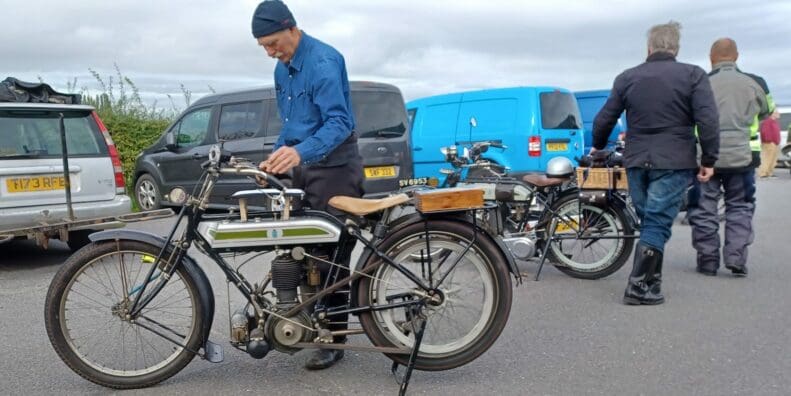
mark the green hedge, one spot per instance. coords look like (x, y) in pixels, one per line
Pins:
(133, 124)
(131, 135)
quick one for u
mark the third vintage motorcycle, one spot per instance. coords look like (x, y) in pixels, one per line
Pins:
(546, 216)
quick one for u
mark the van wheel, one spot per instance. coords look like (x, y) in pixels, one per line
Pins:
(147, 193)
(78, 239)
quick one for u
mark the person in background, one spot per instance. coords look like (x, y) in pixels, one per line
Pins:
(742, 100)
(664, 101)
(317, 139)
(770, 140)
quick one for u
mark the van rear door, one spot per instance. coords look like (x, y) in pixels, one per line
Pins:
(590, 102)
(383, 138)
(560, 127)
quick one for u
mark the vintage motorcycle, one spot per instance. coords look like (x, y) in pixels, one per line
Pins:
(546, 215)
(432, 290)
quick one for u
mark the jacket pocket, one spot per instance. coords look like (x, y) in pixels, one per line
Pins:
(734, 150)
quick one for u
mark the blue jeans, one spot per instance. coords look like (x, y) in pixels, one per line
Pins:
(657, 195)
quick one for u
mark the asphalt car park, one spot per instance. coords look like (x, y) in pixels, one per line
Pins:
(565, 336)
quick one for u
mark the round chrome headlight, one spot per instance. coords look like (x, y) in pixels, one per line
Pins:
(177, 196)
(215, 154)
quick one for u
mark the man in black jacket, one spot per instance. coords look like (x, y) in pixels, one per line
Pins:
(664, 101)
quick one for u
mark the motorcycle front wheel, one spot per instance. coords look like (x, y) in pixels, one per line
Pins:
(476, 294)
(85, 316)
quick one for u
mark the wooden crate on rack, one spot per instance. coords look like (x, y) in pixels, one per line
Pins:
(448, 199)
(602, 178)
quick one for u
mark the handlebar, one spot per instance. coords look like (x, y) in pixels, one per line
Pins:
(246, 169)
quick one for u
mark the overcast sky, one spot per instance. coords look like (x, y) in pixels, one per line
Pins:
(425, 47)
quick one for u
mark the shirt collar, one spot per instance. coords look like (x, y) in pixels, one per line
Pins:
(660, 56)
(724, 64)
(299, 55)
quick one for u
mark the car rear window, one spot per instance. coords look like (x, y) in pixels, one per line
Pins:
(559, 111)
(36, 134)
(379, 114)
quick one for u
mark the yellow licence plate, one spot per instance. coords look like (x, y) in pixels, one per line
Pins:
(38, 183)
(557, 146)
(377, 172)
(567, 226)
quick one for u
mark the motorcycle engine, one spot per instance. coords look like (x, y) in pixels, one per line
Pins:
(283, 333)
(287, 276)
(521, 247)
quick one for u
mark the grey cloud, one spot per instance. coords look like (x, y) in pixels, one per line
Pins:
(425, 47)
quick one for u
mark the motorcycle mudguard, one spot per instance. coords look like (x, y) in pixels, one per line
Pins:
(616, 200)
(205, 292)
(416, 218)
(630, 214)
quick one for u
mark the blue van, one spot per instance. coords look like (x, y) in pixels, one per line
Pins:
(590, 103)
(535, 123)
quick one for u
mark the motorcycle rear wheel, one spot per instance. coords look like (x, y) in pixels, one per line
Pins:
(589, 258)
(477, 294)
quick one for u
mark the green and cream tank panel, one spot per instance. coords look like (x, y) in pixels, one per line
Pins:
(259, 232)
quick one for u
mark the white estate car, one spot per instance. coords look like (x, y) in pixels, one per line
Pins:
(31, 169)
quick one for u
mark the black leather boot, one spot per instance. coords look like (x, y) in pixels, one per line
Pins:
(739, 271)
(645, 281)
(654, 279)
(708, 265)
(323, 358)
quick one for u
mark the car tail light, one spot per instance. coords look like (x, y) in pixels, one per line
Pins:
(534, 146)
(118, 170)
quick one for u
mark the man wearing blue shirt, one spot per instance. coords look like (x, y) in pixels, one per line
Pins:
(317, 139)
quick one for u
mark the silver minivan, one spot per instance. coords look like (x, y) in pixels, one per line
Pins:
(31, 168)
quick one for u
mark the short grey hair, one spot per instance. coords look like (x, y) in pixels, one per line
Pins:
(665, 37)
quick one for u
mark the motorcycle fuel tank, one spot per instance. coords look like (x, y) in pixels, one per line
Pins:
(259, 232)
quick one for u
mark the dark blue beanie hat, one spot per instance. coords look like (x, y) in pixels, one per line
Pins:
(271, 16)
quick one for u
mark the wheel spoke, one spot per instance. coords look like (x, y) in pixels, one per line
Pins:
(447, 329)
(93, 317)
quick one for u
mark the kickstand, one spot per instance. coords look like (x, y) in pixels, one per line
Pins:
(412, 357)
(551, 234)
